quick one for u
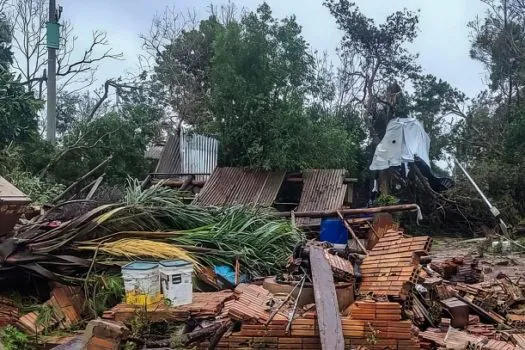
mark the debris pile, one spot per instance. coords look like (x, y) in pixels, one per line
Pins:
(64, 309)
(405, 300)
(257, 282)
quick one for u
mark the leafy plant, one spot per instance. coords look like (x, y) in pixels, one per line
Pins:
(45, 316)
(373, 335)
(155, 223)
(13, 339)
(386, 200)
(103, 292)
(38, 190)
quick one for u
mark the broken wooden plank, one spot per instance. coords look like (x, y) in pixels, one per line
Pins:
(330, 328)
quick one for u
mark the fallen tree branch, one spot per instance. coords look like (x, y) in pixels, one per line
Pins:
(226, 327)
(107, 85)
(82, 178)
(202, 333)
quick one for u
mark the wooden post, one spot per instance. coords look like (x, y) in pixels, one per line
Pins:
(354, 236)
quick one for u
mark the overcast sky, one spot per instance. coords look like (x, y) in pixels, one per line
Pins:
(443, 41)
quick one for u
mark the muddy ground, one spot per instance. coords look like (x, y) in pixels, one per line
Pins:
(510, 263)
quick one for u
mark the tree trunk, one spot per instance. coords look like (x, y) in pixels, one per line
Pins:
(383, 182)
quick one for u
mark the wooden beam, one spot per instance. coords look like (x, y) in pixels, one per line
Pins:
(346, 180)
(180, 183)
(178, 174)
(354, 236)
(328, 319)
(345, 212)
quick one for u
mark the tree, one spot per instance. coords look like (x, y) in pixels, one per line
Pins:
(124, 135)
(183, 68)
(252, 82)
(28, 21)
(6, 56)
(262, 76)
(17, 107)
(379, 60)
(499, 43)
(433, 102)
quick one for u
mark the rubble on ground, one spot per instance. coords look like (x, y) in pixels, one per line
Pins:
(405, 300)
(385, 290)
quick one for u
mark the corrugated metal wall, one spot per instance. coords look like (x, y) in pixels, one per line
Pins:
(198, 154)
(189, 153)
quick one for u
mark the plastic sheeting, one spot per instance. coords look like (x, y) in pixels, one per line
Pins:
(405, 138)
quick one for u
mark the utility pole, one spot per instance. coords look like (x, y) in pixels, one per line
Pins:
(52, 46)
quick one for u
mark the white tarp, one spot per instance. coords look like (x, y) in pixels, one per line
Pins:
(404, 139)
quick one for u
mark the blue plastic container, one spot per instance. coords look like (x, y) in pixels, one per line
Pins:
(334, 231)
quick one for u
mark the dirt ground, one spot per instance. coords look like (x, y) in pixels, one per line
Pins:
(510, 263)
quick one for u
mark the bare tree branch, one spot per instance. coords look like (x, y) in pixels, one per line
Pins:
(28, 20)
(107, 85)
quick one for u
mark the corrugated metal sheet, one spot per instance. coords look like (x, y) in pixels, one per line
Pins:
(170, 160)
(228, 186)
(189, 153)
(323, 189)
(198, 154)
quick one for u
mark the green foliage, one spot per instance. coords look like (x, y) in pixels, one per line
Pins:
(382, 59)
(6, 56)
(38, 190)
(432, 101)
(18, 110)
(45, 316)
(260, 79)
(385, 67)
(16, 164)
(103, 292)
(124, 135)
(183, 69)
(489, 140)
(329, 144)
(385, 40)
(17, 107)
(13, 339)
(386, 199)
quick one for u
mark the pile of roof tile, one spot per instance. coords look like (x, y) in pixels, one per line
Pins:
(458, 269)
(251, 306)
(473, 311)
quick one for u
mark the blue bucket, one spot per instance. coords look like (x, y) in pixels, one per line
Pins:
(334, 231)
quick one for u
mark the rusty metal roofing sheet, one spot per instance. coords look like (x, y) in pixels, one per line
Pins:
(323, 189)
(170, 160)
(228, 186)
